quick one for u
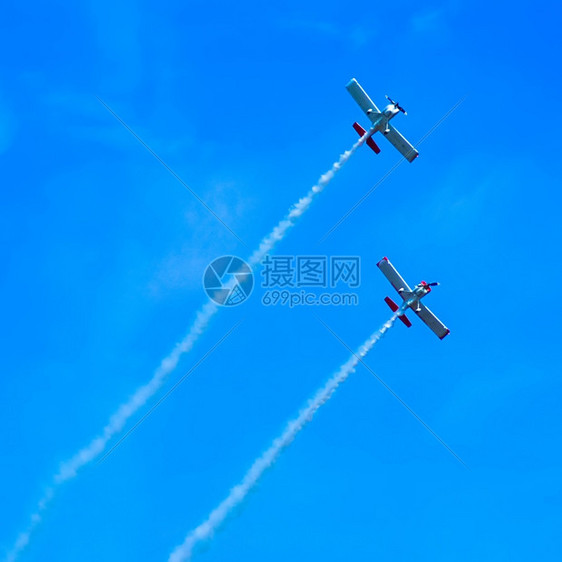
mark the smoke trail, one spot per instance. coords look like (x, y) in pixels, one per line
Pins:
(84, 456)
(23, 538)
(278, 233)
(69, 468)
(206, 529)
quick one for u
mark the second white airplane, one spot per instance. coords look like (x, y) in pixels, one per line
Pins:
(412, 298)
(381, 121)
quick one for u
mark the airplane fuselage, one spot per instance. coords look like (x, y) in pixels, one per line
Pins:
(381, 123)
(421, 290)
(390, 111)
(417, 294)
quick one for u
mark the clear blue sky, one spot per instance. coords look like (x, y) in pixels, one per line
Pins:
(103, 252)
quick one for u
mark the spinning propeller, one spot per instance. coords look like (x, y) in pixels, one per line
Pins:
(397, 105)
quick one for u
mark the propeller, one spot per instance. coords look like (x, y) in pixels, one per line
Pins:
(434, 284)
(396, 104)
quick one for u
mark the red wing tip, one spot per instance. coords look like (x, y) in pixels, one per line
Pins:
(445, 334)
(383, 259)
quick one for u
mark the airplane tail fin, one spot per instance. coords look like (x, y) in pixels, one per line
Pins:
(394, 307)
(370, 142)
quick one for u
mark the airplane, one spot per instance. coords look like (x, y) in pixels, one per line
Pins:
(381, 121)
(412, 299)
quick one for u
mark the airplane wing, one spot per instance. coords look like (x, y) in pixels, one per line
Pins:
(364, 101)
(401, 144)
(433, 323)
(396, 280)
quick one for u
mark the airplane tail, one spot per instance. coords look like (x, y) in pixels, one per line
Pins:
(394, 307)
(370, 142)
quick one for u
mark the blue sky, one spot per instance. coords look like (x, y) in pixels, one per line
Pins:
(104, 252)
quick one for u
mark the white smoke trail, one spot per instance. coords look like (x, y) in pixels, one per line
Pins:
(87, 454)
(69, 468)
(278, 233)
(23, 538)
(206, 529)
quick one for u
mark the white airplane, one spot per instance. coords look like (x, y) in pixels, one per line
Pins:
(412, 298)
(381, 121)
